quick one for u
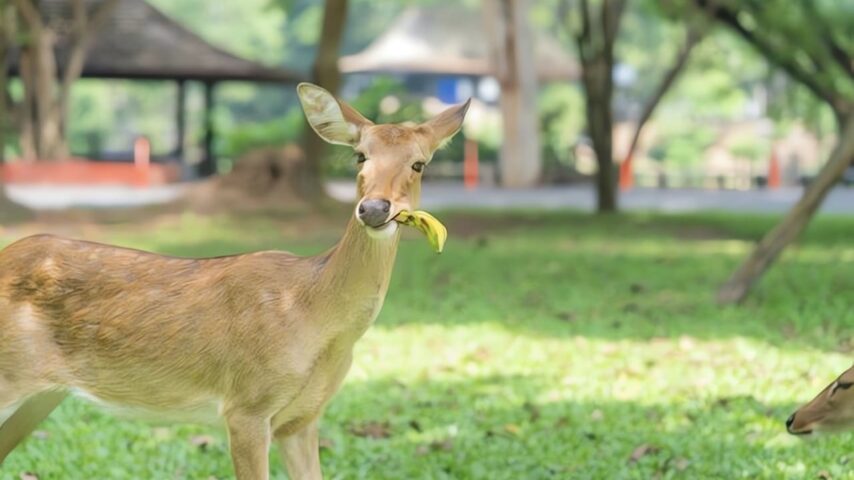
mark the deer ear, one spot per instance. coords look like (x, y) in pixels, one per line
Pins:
(332, 119)
(441, 128)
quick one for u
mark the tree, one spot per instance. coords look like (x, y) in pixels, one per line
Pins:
(595, 35)
(47, 92)
(9, 211)
(811, 41)
(512, 52)
(326, 74)
(7, 25)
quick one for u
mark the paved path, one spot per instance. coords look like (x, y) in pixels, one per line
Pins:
(439, 195)
(840, 200)
(58, 197)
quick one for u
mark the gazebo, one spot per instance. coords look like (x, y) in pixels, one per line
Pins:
(449, 41)
(138, 42)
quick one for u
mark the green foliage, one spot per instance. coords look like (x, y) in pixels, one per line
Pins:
(683, 145)
(809, 39)
(550, 351)
(752, 148)
(249, 28)
(369, 101)
(279, 131)
(561, 109)
(792, 103)
(110, 115)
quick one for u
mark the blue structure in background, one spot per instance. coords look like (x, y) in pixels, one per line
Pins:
(446, 89)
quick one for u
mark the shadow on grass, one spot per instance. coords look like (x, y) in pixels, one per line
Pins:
(496, 427)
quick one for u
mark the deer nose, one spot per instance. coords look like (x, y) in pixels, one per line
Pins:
(789, 423)
(374, 212)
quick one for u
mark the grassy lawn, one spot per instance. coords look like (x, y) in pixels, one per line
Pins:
(537, 346)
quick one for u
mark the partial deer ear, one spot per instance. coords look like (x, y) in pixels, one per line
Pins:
(441, 128)
(332, 119)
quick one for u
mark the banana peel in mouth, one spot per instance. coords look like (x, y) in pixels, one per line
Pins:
(432, 228)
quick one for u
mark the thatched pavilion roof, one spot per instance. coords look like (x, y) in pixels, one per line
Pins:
(448, 41)
(140, 42)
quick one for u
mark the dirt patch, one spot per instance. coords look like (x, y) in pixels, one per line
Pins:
(11, 212)
(266, 178)
(699, 233)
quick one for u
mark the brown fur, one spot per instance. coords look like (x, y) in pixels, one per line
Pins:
(261, 341)
(831, 410)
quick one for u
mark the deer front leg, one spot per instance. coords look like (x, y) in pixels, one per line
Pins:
(300, 451)
(26, 418)
(249, 441)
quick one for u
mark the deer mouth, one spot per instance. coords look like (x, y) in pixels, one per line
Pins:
(382, 231)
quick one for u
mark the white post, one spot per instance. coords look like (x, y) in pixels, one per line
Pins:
(512, 56)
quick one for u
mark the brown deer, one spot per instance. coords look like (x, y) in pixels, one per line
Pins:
(258, 342)
(832, 410)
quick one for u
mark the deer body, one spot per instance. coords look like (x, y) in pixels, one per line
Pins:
(143, 331)
(259, 342)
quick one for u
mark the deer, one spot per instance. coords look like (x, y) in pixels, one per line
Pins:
(832, 410)
(257, 343)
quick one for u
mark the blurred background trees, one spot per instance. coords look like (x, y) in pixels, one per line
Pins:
(679, 93)
(41, 114)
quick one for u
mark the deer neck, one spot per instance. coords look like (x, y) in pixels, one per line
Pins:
(355, 278)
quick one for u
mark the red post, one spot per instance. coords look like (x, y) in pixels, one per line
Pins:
(142, 158)
(470, 165)
(774, 179)
(626, 179)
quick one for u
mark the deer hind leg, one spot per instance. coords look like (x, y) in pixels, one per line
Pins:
(300, 452)
(26, 418)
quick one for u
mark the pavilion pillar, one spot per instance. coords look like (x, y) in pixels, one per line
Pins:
(207, 166)
(512, 54)
(180, 119)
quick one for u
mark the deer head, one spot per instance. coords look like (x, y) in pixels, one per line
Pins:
(391, 157)
(831, 410)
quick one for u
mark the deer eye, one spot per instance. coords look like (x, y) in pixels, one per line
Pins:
(418, 166)
(360, 157)
(840, 385)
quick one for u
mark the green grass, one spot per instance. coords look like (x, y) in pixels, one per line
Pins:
(538, 346)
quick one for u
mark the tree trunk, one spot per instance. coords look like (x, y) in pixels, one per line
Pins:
(513, 57)
(9, 211)
(598, 92)
(4, 78)
(41, 124)
(769, 248)
(46, 95)
(26, 121)
(595, 42)
(326, 74)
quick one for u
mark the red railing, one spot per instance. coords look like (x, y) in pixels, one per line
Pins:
(85, 172)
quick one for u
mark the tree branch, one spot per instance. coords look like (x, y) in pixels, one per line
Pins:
(85, 30)
(842, 58)
(794, 223)
(692, 38)
(30, 13)
(729, 18)
(102, 13)
(612, 13)
(584, 38)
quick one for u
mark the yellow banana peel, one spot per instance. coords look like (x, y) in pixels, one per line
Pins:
(428, 225)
